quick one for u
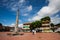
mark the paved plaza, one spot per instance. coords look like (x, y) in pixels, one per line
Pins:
(29, 36)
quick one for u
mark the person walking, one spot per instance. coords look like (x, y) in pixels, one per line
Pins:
(33, 32)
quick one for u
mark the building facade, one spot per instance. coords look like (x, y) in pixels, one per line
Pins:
(46, 26)
(26, 27)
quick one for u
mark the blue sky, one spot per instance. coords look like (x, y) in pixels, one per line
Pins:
(30, 10)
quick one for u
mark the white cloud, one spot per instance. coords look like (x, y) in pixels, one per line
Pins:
(47, 11)
(55, 19)
(29, 8)
(21, 25)
(5, 25)
(52, 8)
(25, 14)
(13, 25)
(26, 10)
(36, 18)
(21, 1)
(54, 3)
(14, 7)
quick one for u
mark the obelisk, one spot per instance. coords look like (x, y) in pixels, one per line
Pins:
(17, 21)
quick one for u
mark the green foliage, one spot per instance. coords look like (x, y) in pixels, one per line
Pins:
(45, 18)
(35, 24)
(38, 24)
(52, 25)
(0, 24)
(58, 24)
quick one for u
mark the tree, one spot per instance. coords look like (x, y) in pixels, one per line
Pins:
(52, 27)
(46, 18)
(36, 24)
(1, 27)
(58, 24)
(0, 24)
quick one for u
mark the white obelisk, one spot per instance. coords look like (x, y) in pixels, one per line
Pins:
(17, 22)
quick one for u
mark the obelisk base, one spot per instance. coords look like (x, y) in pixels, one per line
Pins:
(16, 33)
